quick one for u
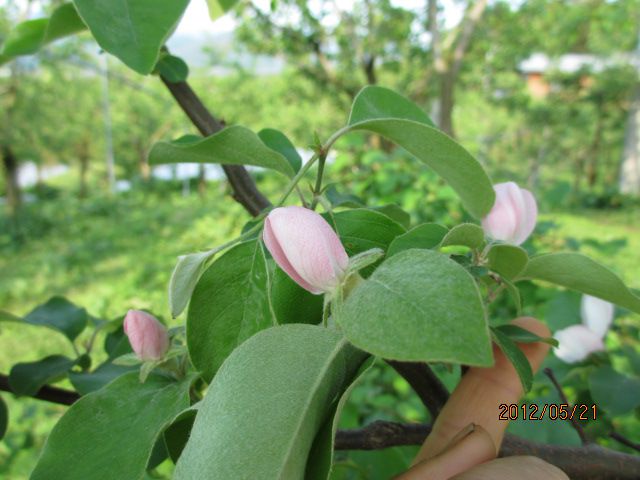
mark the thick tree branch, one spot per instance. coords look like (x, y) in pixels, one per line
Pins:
(424, 382)
(244, 188)
(590, 462)
(47, 393)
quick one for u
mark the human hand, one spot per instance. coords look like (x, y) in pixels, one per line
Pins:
(467, 435)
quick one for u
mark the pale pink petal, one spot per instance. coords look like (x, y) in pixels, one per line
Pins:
(271, 242)
(596, 314)
(500, 223)
(310, 246)
(528, 218)
(147, 336)
(576, 343)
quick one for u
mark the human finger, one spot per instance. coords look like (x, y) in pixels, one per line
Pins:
(477, 397)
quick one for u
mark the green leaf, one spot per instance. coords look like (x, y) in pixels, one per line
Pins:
(27, 378)
(4, 418)
(338, 199)
(515, 356)
(507, 260)
(229, 304)
(320, 460)
(90, 382)
(373, 102)
(395, 213)
(177, 434)
(514, 293)
(218, 8)
(235, 145)
(363, 229)
(64, 21)
(577, 272)
(59, 314)
(184, 278)
(614, 392)
(427, 235)
(25, 38)
(28, 37)
(383, 112)
(172, 68)
(292, 303)
(278, 141)
(522, 335)
(110, 433)
(419, 306)
(296, 374)
(466, 234)
(132, 30)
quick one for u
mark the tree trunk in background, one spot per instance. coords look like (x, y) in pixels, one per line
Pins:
(630, 167)
(143, 160)
(448, 55)
(83, 157)
(202, 181)
(594, 152)
(538, 159)
(10, 167)
(447, 101)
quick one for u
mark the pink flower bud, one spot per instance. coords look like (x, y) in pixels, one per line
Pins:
(513, 216)
(148, 337)
(306, 247)
(596, 314)
(576, 343)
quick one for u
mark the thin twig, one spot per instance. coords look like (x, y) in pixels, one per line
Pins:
(47, 393)
(574, 421)
(624, 441)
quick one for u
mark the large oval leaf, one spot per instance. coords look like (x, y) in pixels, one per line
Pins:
(577, 272)
(132, 30)
(396, 118)
(235, 145)
(427, 235)
(229, 304)
(267, 404)
(59, 314)
(419, 306)
(27, 378)
(380, 102)
(109, 434)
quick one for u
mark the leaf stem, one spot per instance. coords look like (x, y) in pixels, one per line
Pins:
(322, 158)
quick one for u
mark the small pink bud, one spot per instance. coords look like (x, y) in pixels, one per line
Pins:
(596, 314)
(305, 246)
(513, 216)
(577, 342)
(147, 336)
